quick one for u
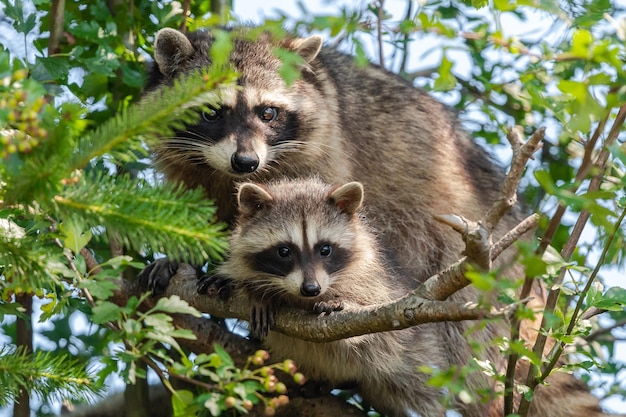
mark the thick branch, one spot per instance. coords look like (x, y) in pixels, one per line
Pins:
(452, 279)
(408, 311)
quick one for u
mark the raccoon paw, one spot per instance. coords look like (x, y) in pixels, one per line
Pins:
(327, 307)
(216, 285)
(156, 276)
(261, 320)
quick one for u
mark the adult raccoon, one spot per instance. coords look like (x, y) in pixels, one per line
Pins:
(342, 123)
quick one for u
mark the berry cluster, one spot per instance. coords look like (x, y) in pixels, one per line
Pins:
(270, 383)
(21, 130)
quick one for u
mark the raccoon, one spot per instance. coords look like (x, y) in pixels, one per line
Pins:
(339, 121)
(343, 123)
(306, 245)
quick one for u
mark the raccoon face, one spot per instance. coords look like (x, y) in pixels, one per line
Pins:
(245, 134)
(238, 138)
(305, 272)
(309, 229)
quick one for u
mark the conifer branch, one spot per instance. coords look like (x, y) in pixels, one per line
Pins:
(44, 374)
(167, 218)
(155, 116)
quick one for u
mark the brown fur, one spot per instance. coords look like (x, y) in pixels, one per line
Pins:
(383, 365)
(344, 123)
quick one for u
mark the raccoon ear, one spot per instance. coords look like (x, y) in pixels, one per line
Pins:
(252, 198)
(308, 48)
(171, 48)
(348, 197)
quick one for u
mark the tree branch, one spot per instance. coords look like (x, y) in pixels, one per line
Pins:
(405, 312)
(452, 279)
(532, 381)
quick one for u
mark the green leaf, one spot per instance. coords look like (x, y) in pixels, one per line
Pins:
(576, 89)
(479, 4)
(100, 289)
(613, 300)
(446, 80)
(106, 311)
(122, 261)
(52, 68)
(12, 309)
(483, 281)
(291, 64)
(581, 43)
(224, 356)
(74, 236)
(175, 304)
(183, 404)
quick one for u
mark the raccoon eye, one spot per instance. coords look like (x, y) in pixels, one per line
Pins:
(268, 114)
(210, 115)
(326, 251)
(283, 251)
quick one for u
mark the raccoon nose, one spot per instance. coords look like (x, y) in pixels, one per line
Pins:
(244, 163)
(310, 289)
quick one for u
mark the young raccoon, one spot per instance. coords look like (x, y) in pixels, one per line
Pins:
(304, 244)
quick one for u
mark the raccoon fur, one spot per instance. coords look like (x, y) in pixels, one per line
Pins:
(340, 122)
(304, 244)
(307, 245)
(343, 123)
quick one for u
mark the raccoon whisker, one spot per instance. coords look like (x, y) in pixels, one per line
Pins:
(183, 142)
(302, 146)
(195, 159)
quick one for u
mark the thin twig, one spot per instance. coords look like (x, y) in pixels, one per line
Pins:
(558, 349)
(406, 37)
(531, 380)
(57, 18)
(605, 330)
(522, 151)
(379, 32)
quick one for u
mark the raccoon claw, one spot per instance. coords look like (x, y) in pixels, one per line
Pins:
(261, 320)
(156, 276)
(327, 307)
(216, 285)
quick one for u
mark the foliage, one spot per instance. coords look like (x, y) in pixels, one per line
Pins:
(238, 389)
(44, 374)
(76, 184)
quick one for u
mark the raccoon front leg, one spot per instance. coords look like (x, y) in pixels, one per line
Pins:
(156, 276)
(216, 285)
(261, 319)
